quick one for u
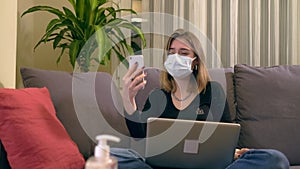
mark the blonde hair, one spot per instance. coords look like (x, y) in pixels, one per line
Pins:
(200, 72)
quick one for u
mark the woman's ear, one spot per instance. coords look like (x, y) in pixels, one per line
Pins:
(195, 63)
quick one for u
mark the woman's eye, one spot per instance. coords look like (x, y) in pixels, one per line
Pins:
(184, 53)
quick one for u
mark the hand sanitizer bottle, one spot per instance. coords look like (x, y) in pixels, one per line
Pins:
(102, 158)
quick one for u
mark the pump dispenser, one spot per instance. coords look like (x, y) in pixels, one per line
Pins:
(102, 158)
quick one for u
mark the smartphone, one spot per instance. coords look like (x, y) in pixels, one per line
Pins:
(139, 59)
(136, 58)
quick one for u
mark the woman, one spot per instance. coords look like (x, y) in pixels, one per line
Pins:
(187, 93)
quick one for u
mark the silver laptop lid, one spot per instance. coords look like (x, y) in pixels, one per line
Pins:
(176, 143)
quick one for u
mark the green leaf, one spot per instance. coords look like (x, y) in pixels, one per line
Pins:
(80, 9)
(122, 58)
(54, 28)
(99, 15)
(88, 12)
(137, 30)
(93, 4)
(74, 49)
(101, 2)
(112, 12)
(52, 23)
(43, 39)
(63, 46)
(73, 3)
(37, 44)
(126, 10)
(73, 23)
(69, 13)
(59, 37)
(119, 32)
(101, 39)
(115, 11)
(74, 28)
(44, 8)
(135, 46)
(117, 43)
(128, 47)
(115, 22)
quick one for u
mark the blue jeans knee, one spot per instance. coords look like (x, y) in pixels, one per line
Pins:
(261, 159)
(277, 158)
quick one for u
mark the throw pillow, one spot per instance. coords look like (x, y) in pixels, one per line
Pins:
(268, 108)
(32, 135)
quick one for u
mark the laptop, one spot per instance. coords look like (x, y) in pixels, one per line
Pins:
(190, 144)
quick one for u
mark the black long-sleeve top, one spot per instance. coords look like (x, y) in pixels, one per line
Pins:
(209, 105)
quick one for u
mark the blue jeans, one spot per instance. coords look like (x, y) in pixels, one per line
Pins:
(261, 159)
(253, 159)
(129, 159)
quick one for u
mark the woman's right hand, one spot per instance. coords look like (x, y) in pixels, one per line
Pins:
(240, 152)
(133, 81)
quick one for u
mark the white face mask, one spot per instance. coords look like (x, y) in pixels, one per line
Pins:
(179, 66)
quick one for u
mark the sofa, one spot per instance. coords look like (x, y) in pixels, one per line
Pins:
(264, 100)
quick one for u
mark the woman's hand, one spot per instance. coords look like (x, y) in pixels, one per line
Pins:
(239, 152)
(133, 81)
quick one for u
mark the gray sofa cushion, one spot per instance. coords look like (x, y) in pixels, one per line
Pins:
(230, 93)
(224, 76)
(61, 86)
(153, 82)
(268, 108)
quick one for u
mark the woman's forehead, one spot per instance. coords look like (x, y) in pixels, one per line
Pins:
(180, 43)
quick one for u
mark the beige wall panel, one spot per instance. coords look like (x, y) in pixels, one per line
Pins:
(8, 34)
(31, 27)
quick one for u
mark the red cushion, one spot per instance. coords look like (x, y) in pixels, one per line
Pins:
(32, 135)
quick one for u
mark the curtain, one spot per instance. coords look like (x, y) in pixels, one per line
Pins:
(254, 32)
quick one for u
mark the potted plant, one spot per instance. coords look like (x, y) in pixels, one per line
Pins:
(73, 29)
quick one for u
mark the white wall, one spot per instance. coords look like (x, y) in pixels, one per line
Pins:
(8, 42)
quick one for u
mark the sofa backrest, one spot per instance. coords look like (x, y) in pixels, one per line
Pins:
(264, 100)
(86, 103)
